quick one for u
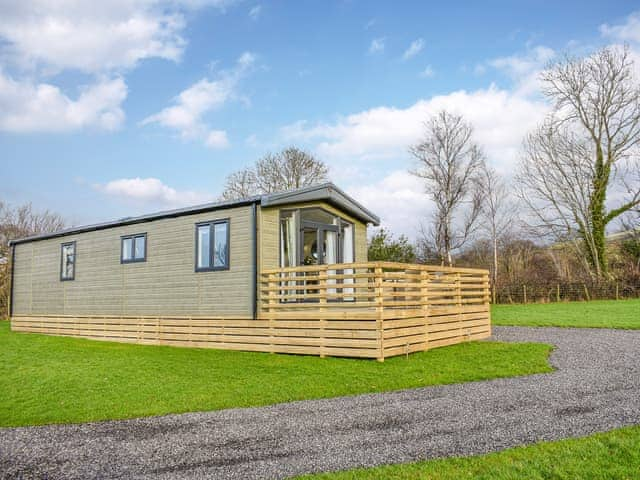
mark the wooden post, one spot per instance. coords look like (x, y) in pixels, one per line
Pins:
(557, 292)
(424, 299)
(617, 292)
(272, 301)
(524, 293)
(379, 296)
(323, 291)
(586, 292)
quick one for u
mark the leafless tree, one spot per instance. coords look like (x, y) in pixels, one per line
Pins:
(240, 184)
(498, 212)
(449, 162)
(17, 222)
(584, 151)
(289, 169)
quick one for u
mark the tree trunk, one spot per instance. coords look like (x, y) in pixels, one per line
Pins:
(597, 250)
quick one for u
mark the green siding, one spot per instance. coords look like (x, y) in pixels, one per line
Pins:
(165, 284)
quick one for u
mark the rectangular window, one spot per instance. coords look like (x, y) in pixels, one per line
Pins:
(134, 248)
(68, 261)
(212, 246)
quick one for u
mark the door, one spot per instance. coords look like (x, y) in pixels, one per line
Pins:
(318, 243)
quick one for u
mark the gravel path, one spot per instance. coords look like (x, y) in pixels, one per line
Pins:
(596, 388)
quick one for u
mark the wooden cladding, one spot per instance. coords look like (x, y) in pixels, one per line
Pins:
(370, 310)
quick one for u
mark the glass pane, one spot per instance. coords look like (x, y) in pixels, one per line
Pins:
(127, 248)
(140, 247)
(310, 247)
(68, 260)
(221, 251)
(204, 244)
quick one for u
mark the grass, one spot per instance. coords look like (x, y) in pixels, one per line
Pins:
(596, 314)
(47, 379)
(610, 455)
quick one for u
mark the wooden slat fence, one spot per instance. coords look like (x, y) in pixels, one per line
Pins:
(409, 307)
(370, 310)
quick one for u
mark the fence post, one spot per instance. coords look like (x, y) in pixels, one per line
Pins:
(586, 292)
(323, 291)
(379, 292)
(558, 292)
(424, 292)
(617, 292)
(524, 294)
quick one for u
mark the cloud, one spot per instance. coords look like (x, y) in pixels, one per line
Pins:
(151, 191)
(41, 107)
(629, 31)
(524, 69)
(255, 11)
(94, 36)
(399, 201)
(414, 49)
(204, 96)
(501, 118)
(428, 72)
(377, 46)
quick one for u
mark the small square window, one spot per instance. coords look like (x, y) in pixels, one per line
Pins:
(68, 261)
(134, 248)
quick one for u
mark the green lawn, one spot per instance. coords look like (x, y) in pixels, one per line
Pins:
(611, 455)
(600, 314)
(46, 379)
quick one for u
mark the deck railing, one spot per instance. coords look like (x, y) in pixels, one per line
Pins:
(374, 309)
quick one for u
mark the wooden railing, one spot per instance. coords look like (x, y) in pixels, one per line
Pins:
(374, 309)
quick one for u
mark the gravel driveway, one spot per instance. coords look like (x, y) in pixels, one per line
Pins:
(596, 388)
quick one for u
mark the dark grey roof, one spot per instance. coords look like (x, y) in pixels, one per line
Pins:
(325, 192)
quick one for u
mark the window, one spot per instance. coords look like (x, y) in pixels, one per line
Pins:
(133, 248)
(68, 261)
(212, 246)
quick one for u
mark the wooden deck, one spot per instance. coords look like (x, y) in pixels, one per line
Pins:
(371, 310)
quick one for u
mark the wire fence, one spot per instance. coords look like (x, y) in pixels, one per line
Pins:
(564, 292)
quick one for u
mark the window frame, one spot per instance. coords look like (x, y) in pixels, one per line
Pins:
(212, 245)
(341, 222)
(133, 258)
(64, 278)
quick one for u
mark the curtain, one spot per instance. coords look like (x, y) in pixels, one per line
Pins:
(347, 254)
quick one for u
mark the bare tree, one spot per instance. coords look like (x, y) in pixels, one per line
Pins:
(498, 213)
(449, 162)
(19, 222)
(289, 169)
(240, 184)
(583, 151)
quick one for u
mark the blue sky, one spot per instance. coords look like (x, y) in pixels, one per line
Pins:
(122, 107)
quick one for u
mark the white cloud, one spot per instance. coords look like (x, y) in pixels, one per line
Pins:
(151, 191)
(255, 11)
(524, 69)
(377, 45)
(399, 201)
(41, 107)
(204, 96)
(500, 118)
(94, 36)
(414, 49)
(428, 72)
(629, 31)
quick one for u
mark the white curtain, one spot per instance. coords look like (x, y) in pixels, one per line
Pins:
(347, 255)
(331, 255)
(288, 242)
(288, 247)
